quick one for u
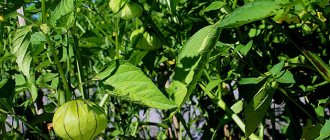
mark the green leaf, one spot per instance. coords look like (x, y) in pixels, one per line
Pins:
(255, 109)
(21, 49)
(325, 131)
(311, 130)
(245, 81)
(215, 6)
(191, 61)
(177, 87)
(286, 78)
(130, 82)
(244, 49)
(37, 38)
(276, 69)
(212, 85)
(63, 10)
(249, 12)
(237, 107)
(46, 79)
(137, 57)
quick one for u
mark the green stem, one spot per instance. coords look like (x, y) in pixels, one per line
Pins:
(230, 113)
(154, 124)
(116, 38)
(104, 100)
(185, 126)
(78, 62)
(43, 10)
(294, 102)
(261, 132)
(59, 66)
(100, 29)
(234, 4)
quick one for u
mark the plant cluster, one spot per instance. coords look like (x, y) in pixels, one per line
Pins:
(164, 69)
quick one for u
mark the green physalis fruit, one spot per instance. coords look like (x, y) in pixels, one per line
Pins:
(130, 10)
(145, 40)
(79, 120)
(116, 5)
(125, 10)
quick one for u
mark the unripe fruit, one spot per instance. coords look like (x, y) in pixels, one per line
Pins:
(130, 10)
(124, 9)
(145, 40)
(79, 120)
(116, 5)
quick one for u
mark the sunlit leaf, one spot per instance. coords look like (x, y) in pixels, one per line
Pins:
(63, 10)
(191, 61)
(130, 82)
(249, 12)
(325, 131)
(276, 69)
(215, 6)
(286, 77)
(22, 50)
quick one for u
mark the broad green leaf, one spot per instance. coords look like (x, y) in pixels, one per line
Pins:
(311, 130)
(325, 131)
(249, 12)
(191, 61)
(286, 77)
(276, 69)
(63, 9)
(256, 109)
(177, 87)
(131, 83)
(215, 6)
(21, 49)
(37, 38)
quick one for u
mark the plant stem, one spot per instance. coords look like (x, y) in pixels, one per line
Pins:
(234, 4)
(78, 62)
(235, 117)
(116, 38)
(104, 100)
(294, 102)
(184, 124)
(230, 113)
(57, 62)
(43, 10)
